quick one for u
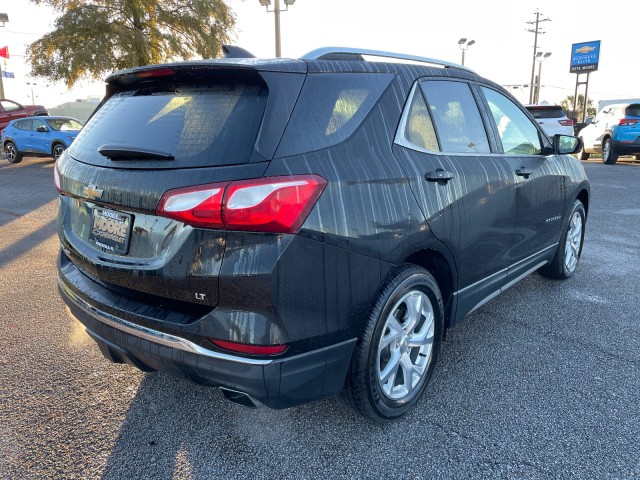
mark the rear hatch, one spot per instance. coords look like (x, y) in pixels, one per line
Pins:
(630, 134)
(163, 128)
(552, 119)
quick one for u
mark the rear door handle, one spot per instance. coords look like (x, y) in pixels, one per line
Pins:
(523, 172)
(440, 175)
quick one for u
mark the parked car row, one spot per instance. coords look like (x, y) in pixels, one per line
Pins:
(613, 132)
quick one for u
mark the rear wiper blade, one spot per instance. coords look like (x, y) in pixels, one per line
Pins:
(119, 152)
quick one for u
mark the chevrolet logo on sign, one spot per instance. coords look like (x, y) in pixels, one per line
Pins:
(585, 49)
(93, 192)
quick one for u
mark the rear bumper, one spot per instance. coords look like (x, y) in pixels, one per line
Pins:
(626, 148)
(274, 382)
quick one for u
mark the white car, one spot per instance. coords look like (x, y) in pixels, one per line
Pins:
(552, 119)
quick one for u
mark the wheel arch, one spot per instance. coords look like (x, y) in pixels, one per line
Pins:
(441, 266)
(55, 142)
(583, 196)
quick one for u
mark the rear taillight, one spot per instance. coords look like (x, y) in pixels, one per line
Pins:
(248, 348)
(626, 122)
(199, 206)
(566, 123)
(273, 204)
(56, 178)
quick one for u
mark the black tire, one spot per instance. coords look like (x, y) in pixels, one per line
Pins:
(364, 390)
(562, 266)
(57, 150)
(582, 155)
(12, 153)
(609, 156)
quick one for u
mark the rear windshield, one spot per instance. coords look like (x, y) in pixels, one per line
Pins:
(546, 112)
(204, 125)
(633, 110)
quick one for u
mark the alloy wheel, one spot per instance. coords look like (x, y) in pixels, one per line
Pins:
(573, 243)
(10, 152)
(606, 151)
(405, 348)
(57, 151)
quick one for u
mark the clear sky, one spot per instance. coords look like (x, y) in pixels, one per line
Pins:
(503, 50)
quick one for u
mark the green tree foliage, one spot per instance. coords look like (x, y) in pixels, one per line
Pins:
(567, 106)
(95, 37)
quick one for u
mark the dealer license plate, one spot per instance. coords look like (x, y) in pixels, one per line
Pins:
(110, 230)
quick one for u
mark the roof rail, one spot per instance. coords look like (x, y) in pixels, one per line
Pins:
(344, 53)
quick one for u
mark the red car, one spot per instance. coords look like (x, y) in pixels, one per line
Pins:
(10, 110)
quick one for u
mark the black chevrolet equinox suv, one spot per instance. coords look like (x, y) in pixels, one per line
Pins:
(290, 229)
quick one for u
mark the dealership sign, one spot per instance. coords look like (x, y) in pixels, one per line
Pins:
(585, 56)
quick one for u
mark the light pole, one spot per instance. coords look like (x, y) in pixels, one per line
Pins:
(4, 18)
(537, 30)
(464, 45)
(540, 57)
(276, 11)
(32, 84)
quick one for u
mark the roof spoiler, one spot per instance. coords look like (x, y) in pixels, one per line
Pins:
(231, 51)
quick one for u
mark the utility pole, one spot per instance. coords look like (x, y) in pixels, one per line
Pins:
(536, 31)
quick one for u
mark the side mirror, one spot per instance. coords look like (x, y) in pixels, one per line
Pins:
(566, 144)
(42, 129)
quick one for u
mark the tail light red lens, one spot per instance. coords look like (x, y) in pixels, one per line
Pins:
(566, 123)
(199, 206)
(248, 348)
(626, 122)
(272, 204)
(277, 204)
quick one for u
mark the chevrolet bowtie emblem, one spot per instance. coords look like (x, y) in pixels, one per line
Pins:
(92, 192)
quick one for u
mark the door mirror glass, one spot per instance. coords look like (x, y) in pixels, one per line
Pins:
(42, 129)
(566, 144)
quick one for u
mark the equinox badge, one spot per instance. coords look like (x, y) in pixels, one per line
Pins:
(92, 192)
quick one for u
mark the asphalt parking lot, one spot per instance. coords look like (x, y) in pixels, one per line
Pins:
(541, 382)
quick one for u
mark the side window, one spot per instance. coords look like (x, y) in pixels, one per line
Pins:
(37, 124)
(9, 106)
(419, 129)
(456, 117)
(23, 125)
(518, 134)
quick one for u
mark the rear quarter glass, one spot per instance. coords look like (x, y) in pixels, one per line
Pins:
(330, 109)
(199, 125)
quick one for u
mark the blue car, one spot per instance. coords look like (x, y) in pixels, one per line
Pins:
(39, 137)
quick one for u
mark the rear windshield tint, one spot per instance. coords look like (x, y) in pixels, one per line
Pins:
(330, 109)
(633, 110)
(546, 112)
(208, 125)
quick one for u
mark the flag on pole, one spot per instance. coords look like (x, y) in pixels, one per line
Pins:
(4, 63)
